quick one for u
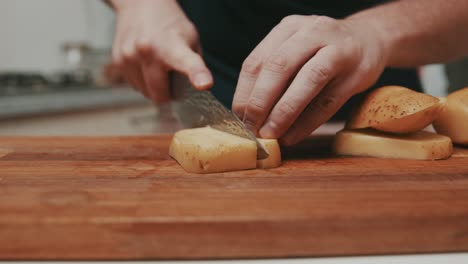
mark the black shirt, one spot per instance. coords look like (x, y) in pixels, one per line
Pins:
(230, 29)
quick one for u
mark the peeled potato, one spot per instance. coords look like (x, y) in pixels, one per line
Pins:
(453, 120)
(274, 158)
(421, 145)
(396, 109)
(207, 150)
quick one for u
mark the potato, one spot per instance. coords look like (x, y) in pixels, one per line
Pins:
(207, 150)
(453, 120)
(274, 158)
(421, 145)
(396, 109)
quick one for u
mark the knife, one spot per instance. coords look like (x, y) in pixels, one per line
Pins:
(194, 108)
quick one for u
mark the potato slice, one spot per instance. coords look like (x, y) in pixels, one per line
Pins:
(453, 120)
(207, 150)
(421, 145)
(396, 109)
(273, 148)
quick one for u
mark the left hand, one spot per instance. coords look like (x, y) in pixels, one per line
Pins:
(304, 70)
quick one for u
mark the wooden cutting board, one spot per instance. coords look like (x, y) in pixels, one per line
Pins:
(124, 198)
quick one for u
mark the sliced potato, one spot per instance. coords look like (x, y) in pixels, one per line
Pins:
(421, 145)
(207, 150)
(453, 120)
(274, 158)
(396, 109)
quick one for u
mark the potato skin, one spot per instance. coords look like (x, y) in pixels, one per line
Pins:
(396, 109)
(421, 145)
(453, 120)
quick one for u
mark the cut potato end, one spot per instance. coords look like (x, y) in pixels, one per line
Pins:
(421, 145)
(274, 159)
(453, 120)
(207, 150)
(396, 109)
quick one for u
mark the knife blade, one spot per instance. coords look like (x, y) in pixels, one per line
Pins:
(195, 108)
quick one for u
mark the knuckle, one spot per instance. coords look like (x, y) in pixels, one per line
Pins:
(128, 56)
(365, 68)
(191, 34)
(321, 24)
(128, 60)
(288, 109)
(142, 44)
(278, 63)
(128, 48)
(317, 75)
(116, 58)
(255, 107)
(325, 22)
(291, 20)
(326, 103)
(351, 46)
(252, 65)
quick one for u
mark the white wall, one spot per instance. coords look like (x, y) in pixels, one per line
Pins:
(434, 80)
(31, 32)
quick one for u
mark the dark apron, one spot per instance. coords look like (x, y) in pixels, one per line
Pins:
(230, 29)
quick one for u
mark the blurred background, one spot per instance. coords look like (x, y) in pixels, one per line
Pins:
(54, 77)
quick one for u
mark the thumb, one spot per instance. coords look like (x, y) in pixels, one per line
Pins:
(185, 60)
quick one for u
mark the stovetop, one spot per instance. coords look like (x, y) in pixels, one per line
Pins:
(32, 93)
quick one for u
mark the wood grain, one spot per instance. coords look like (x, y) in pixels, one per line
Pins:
(124, 198)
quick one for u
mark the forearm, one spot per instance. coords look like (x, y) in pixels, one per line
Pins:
(120, 4)
(418, 32)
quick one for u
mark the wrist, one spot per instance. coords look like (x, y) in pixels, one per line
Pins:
(121, 5)
(373, 33)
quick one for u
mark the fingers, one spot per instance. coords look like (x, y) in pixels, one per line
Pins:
(132, 71)
(278, 69)
(157, 82)
(146, 67)
(253, 64)
(182, 58)
(308, 83)
(126, 59)
(320, 110)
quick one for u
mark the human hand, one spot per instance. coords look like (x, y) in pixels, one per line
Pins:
(304, 70)
(153, 38)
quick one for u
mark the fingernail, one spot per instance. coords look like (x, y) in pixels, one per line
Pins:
(268, 131)
(202, 80)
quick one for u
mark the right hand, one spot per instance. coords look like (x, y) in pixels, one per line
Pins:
(153, 38)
